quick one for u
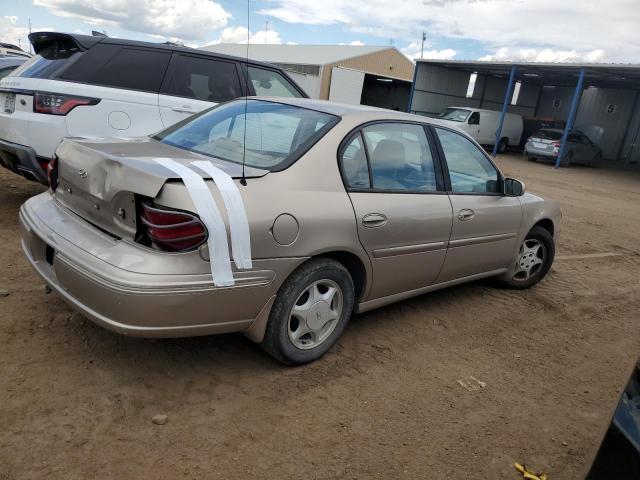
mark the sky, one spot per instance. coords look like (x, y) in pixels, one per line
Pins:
(521, 30)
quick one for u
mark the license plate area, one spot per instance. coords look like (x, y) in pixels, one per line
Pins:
(9, 102)
(539, 145)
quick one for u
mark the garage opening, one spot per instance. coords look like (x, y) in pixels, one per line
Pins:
(594, 108)
(361, 88)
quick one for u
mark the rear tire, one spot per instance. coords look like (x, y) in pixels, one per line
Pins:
(533, 260)
(502, 145)
(311, 310)
(566, 161)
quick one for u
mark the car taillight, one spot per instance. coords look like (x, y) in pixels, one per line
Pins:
(56, 104)
(52, 173)
(172, 230)
(556, 144)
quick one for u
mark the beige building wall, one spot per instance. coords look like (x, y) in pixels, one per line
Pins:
(389, 62)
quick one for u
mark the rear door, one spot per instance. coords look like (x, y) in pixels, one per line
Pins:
(194, 83)
(403, 214)
(485, 222)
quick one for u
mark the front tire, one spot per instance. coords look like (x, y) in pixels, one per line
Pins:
(533, 260)
(311, 310)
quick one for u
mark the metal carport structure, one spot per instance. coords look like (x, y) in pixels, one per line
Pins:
(449, 80)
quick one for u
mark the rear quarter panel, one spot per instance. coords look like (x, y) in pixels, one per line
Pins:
(311, 191)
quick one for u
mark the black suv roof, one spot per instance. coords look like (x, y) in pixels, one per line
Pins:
(41, 40)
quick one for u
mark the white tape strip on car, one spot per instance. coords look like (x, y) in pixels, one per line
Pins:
(209, 214)
(238, 222)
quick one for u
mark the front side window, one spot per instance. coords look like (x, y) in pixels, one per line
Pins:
(276, 134)
(474, 119)
(399, 157)
(268, 83)
(455, 114)
(204, 79)
(469, 169)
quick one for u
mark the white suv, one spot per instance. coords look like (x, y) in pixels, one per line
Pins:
(83, 86)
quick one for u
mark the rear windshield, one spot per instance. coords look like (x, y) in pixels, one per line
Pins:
(547, 135)
(455, 114)
(276, 134)
(48, 61)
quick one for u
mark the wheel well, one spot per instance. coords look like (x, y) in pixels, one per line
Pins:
(546, 224)
(355, 267)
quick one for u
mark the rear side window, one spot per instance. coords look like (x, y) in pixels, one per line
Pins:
(120, 67)
(269, 83)
(354, 164)
(204, 79)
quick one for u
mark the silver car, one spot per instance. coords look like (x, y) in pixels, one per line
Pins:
(278, 218)
(545, 145)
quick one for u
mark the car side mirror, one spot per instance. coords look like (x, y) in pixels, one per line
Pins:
(512, 187)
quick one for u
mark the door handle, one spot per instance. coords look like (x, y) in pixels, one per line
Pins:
(466, 214)
(372, 220)
(183, 109)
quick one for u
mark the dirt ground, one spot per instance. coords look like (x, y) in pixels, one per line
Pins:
(76, 401)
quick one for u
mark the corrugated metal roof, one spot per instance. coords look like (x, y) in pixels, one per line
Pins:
(612, 75)
(297, 54)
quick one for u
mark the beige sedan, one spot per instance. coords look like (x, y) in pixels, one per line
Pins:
(279, 219)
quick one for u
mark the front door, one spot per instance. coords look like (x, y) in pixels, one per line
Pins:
(403, 214)
(485, 222)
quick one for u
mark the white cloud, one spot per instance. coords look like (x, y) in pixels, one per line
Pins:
(544, 55)
(413, 52)
(354, 43)
(239, 35)
(181, 19)
(569, 25)
(13, 31)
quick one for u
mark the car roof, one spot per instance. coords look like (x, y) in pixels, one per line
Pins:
(348, 110)
(88, 41)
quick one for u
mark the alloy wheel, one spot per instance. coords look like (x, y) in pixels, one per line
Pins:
(315, 314)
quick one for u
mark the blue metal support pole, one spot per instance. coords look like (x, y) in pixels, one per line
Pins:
(413, 86)
(505, 105)
(572, 116)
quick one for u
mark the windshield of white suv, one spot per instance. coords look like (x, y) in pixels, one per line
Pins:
(276, 134)
(455, 114)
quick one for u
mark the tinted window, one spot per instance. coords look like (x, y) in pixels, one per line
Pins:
(268, 83)
(400, 157)
(548, 134)
(474, 119)
(52, 56)
(354, 164)
(276, 134)
(43, 67)
(120, 67)
(203, 79)
(469, 169)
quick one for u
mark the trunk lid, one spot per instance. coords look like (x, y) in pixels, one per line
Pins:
(98, 179)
